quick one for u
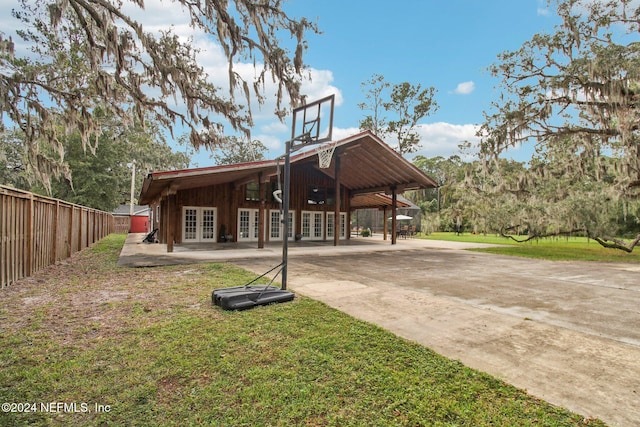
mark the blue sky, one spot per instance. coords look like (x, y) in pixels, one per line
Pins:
(434, 43)
(444, 44)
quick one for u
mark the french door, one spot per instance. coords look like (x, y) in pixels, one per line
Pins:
(248, 225)
(199, 224)
(275, 225)
(331, 225)
(312, 225)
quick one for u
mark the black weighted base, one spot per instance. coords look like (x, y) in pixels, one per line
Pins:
(244, 297)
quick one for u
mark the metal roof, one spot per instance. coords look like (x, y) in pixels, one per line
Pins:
(368, 166)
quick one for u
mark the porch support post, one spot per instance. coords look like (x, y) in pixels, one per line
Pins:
(170, 219)
(385, 226)
(394, 199)
(261, 191)
(336, 216)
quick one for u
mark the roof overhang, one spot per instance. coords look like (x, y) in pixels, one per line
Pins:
(367, 166)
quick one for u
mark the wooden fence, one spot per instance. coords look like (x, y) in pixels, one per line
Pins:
(122, 224)
(38, 231)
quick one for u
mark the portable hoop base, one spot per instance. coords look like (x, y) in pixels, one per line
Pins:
(244, 297)
(251, 295)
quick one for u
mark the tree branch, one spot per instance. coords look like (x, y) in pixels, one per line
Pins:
(613, 243)
(538, 235)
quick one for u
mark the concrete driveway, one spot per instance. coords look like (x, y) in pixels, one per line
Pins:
(567, 332)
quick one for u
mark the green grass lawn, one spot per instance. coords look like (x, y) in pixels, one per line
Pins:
(103, 345)
(556, 249)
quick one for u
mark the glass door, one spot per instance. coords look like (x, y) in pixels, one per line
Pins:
(248, 225)
(198, 224)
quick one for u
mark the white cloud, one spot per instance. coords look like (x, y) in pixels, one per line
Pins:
(465, 88)
(318, 85)
(274, 127)
(339, 134)
(436, 139)
(542, 10)
(269, 140)
(443, 139)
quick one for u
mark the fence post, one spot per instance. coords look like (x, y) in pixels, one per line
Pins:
(30, 251)
(56, 212)
(80, 225)
(70, 230)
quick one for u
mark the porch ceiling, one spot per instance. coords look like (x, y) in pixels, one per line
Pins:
(157, 184)
(375, 200)
(368, 167)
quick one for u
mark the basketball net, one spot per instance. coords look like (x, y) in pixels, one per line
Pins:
(325, 154)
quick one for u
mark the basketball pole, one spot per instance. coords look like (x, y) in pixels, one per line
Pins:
(286, 196)
(304, 139)
(285, 220)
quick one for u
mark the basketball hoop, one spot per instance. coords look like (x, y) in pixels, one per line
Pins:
(325, 154)
(309, 127)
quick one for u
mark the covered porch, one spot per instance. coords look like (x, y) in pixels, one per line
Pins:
(239, 204)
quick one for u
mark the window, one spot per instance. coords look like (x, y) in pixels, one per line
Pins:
(306, 224)
(248, 224)
(190, 224)
(317, 225)
(343, 224)
(198, 224)
(312, 225)
(252, 192)
(275, 226)
(321, 195)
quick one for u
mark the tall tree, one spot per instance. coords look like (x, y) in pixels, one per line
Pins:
(407, 103)
(410, 104)
(238, 150)
(375, 94)
(576, 94)
(92, 52)
(447, 172)
(101, 178)
(13, 162)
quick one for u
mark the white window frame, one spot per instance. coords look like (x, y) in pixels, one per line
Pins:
(203, 231)
(343, 225)
(252, 232)
(314, 228)
(275, 226)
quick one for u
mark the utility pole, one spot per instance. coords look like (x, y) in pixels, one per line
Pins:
(133, 185)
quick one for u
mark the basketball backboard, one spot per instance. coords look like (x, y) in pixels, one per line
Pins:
(312, 123)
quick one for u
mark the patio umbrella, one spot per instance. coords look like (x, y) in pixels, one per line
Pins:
(401, 217)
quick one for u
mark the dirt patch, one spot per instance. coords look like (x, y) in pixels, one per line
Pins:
(80, 304)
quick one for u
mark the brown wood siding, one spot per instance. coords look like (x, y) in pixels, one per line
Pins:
(303, 177)
(228, 198)
(218, 196)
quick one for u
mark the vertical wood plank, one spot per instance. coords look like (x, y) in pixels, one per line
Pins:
(56, 218)
(29, 241)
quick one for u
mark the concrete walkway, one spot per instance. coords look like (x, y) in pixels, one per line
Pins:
(567, 332)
